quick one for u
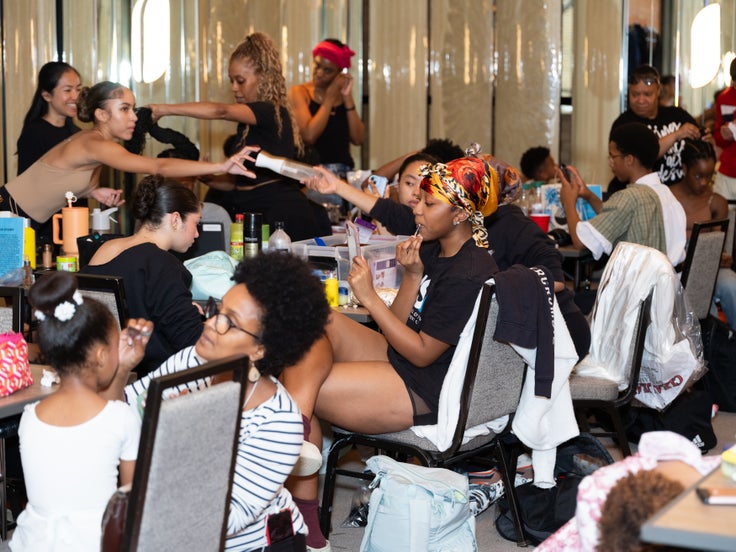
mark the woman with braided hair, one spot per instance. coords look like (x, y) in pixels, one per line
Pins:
(265, 119)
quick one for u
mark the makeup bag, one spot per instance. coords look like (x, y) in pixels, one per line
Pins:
(15, 372)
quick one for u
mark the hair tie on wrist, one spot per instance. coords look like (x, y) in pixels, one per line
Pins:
(350, 108)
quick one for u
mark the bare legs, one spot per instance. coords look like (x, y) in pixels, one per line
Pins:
(345, 379)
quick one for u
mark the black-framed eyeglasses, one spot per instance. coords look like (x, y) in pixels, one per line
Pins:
(224, 324)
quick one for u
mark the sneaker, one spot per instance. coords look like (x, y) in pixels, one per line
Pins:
(325, 548)
(310, 460)
(482, 495)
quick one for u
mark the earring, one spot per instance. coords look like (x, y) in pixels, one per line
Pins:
(455, 222)
(253, 373)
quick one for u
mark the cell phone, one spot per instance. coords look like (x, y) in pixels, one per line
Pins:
(379, 182)
(279, 527)
(565, 172)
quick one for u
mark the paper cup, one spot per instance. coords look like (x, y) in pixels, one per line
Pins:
(542, 220)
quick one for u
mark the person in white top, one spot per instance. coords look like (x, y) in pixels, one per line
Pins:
(76, 446)
(645, 212)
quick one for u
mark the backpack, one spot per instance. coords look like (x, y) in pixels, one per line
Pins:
(544, 511)
(417, 509)
(689, 415)
(719, 344)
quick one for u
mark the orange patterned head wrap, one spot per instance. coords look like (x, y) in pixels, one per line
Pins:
(468, 183)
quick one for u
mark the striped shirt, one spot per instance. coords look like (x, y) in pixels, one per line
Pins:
(631, 215)
(271, 436)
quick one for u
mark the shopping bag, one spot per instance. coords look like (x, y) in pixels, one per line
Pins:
(15, 372)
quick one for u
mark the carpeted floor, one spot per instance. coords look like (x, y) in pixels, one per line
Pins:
(349, 538)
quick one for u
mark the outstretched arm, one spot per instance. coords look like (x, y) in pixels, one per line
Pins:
(328, 183)
(239, 113)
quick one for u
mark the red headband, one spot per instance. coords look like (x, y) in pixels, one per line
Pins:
(337, 55)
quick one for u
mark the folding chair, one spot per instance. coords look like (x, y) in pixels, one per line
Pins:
(702, 262)
(109, 291)
(492, 386)
(180, 497)
(590, 392)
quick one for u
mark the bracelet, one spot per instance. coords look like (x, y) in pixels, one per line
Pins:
(350, 108)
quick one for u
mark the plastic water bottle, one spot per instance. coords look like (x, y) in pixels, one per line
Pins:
(279, 240)
(524, 199)
(236, 238)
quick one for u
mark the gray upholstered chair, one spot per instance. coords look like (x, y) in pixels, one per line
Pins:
(180, 498)
(492, 387)
(11, 312)
(599, 394)
(109, 291)
(703, 259)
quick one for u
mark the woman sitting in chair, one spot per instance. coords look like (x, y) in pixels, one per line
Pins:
(375, 382)
(157, 285)
(274, 313)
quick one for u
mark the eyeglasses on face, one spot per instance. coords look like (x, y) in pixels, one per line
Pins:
(224, 324)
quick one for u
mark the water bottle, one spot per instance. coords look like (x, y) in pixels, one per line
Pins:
(236, 238)
(279, 240)
(523, 201)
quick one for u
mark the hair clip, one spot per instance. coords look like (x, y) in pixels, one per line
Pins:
(472, 150)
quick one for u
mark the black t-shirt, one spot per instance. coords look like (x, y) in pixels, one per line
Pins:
(38, 137)
(445, 301)
(667, 121)
(266, 134)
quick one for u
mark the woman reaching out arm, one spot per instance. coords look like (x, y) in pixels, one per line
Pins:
(74, 164)
(265, 119)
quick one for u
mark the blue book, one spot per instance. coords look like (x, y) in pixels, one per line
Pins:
(11, 244)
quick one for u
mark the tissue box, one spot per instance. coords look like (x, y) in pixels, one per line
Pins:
(551, 204)
(379, 251)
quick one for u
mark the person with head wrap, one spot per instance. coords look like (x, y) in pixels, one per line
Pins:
(325, 110)
(445, 265)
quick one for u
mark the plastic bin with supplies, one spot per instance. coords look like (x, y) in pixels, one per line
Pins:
(380, 252)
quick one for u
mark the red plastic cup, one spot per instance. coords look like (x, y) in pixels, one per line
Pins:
(542, 220)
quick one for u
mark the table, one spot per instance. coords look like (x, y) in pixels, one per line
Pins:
(687, 522)
(14, 404)
(580, 257)
(359, 314)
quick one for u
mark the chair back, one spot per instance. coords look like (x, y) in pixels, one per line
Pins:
(494, 375)
(211, 238)
(11, 314)
(702, 262)
(730, 245)
(109, 291)
(180, 498)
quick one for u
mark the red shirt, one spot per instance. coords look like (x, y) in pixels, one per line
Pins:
(726, 105)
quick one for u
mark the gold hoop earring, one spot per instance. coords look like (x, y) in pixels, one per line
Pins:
(253, 374)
